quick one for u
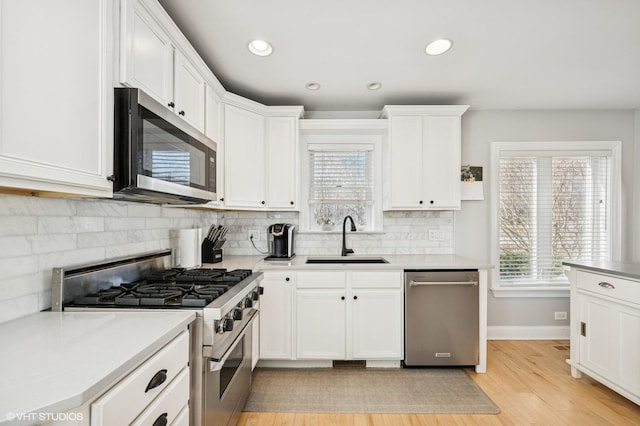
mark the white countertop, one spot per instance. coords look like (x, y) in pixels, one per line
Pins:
(409, 261)
(52, 362)
(623, 269)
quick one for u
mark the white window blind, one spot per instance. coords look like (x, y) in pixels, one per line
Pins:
(341, 183)
(552, 208)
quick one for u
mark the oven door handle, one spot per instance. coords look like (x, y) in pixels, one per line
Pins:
(216, 363)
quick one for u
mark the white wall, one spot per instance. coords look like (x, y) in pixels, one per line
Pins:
(479, 129)
(38, 234)
(636, 190)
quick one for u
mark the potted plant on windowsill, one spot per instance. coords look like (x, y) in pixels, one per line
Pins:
(327, 224)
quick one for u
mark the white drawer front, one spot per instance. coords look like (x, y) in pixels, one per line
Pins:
(169, 403)
(377, 279)
(126, 400)
(183, 417)
(618, 288)
(322, 279)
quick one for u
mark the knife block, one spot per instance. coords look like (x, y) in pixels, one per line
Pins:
(210, 254)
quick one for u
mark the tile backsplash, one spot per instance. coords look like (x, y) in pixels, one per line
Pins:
(38, 234)
(404, 233)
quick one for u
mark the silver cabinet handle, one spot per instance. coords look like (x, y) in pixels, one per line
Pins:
(606, 285)
(416, 283)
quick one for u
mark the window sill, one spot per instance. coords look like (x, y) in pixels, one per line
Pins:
(530, 291)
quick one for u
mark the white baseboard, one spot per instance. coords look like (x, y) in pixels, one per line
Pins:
(508, 332)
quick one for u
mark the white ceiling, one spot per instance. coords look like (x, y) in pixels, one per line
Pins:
(507, 54)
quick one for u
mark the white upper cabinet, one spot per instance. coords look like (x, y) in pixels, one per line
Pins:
(260, 144)
(152, 61)
(282, 160)
(189, 92)
(213, 126)
(56, 111)
(423, 157)
(146, 53)
(244, 158)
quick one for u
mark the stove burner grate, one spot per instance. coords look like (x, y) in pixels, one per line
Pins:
(168, 288)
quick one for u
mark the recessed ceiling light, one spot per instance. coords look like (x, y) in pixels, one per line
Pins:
(374, 86)
(312, 86)
(260, 47)
(438, 47)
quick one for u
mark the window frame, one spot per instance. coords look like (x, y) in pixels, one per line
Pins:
(374, 140)
(558, 148)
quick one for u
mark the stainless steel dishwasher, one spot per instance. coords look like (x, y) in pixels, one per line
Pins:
(441, 321)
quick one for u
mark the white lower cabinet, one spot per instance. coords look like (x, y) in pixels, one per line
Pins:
(605, 330)
(376, 324)
(276, 315)
(155, 391)
(320, 324)
(351, 315)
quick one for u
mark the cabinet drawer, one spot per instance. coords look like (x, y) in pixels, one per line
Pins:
(618, 288)
(376, 279)
(126, 400)
(322, 279)
(183, 417)
(168, 404)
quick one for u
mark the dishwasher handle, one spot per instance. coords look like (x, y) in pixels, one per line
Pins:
(419, 283)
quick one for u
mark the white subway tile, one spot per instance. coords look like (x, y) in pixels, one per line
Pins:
(53, 242)
(101, 208)
(18, 307)
(16, 225)
(14, 246)
(143, 210)
(66, 225)
(102, 239)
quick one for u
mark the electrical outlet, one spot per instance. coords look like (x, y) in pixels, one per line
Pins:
(255, 233)
(436, 235)
(559, 316)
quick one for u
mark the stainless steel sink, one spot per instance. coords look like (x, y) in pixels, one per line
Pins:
(347, 259)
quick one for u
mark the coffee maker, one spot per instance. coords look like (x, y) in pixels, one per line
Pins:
(280, 237)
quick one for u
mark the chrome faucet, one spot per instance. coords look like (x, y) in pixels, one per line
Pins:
(345, 250)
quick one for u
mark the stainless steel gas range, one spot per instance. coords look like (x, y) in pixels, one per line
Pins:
(226, 305)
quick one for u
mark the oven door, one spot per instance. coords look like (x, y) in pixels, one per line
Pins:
(227, 378)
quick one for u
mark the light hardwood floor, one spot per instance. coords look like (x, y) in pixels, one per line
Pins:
(530, 382)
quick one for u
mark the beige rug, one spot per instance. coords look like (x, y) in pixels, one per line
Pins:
(359, 390)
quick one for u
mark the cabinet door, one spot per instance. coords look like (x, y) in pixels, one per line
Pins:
(441, 162)
(213, 129)
(596, 351)
(627, 320)
(320, 324)
(244, 158)
(188, 92)
(146, 54)
(406, 161)
(276, 316)
(56, 109)
(282, 140)
(376, 324)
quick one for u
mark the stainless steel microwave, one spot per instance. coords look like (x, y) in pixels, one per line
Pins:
(159, 158)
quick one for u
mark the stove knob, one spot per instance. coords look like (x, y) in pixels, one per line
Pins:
(255, 295)
(237, 314)
(227, 324)
(260, 290)
(248, 303)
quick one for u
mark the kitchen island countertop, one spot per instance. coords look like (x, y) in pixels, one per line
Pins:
(621, 269)
(53, 362)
